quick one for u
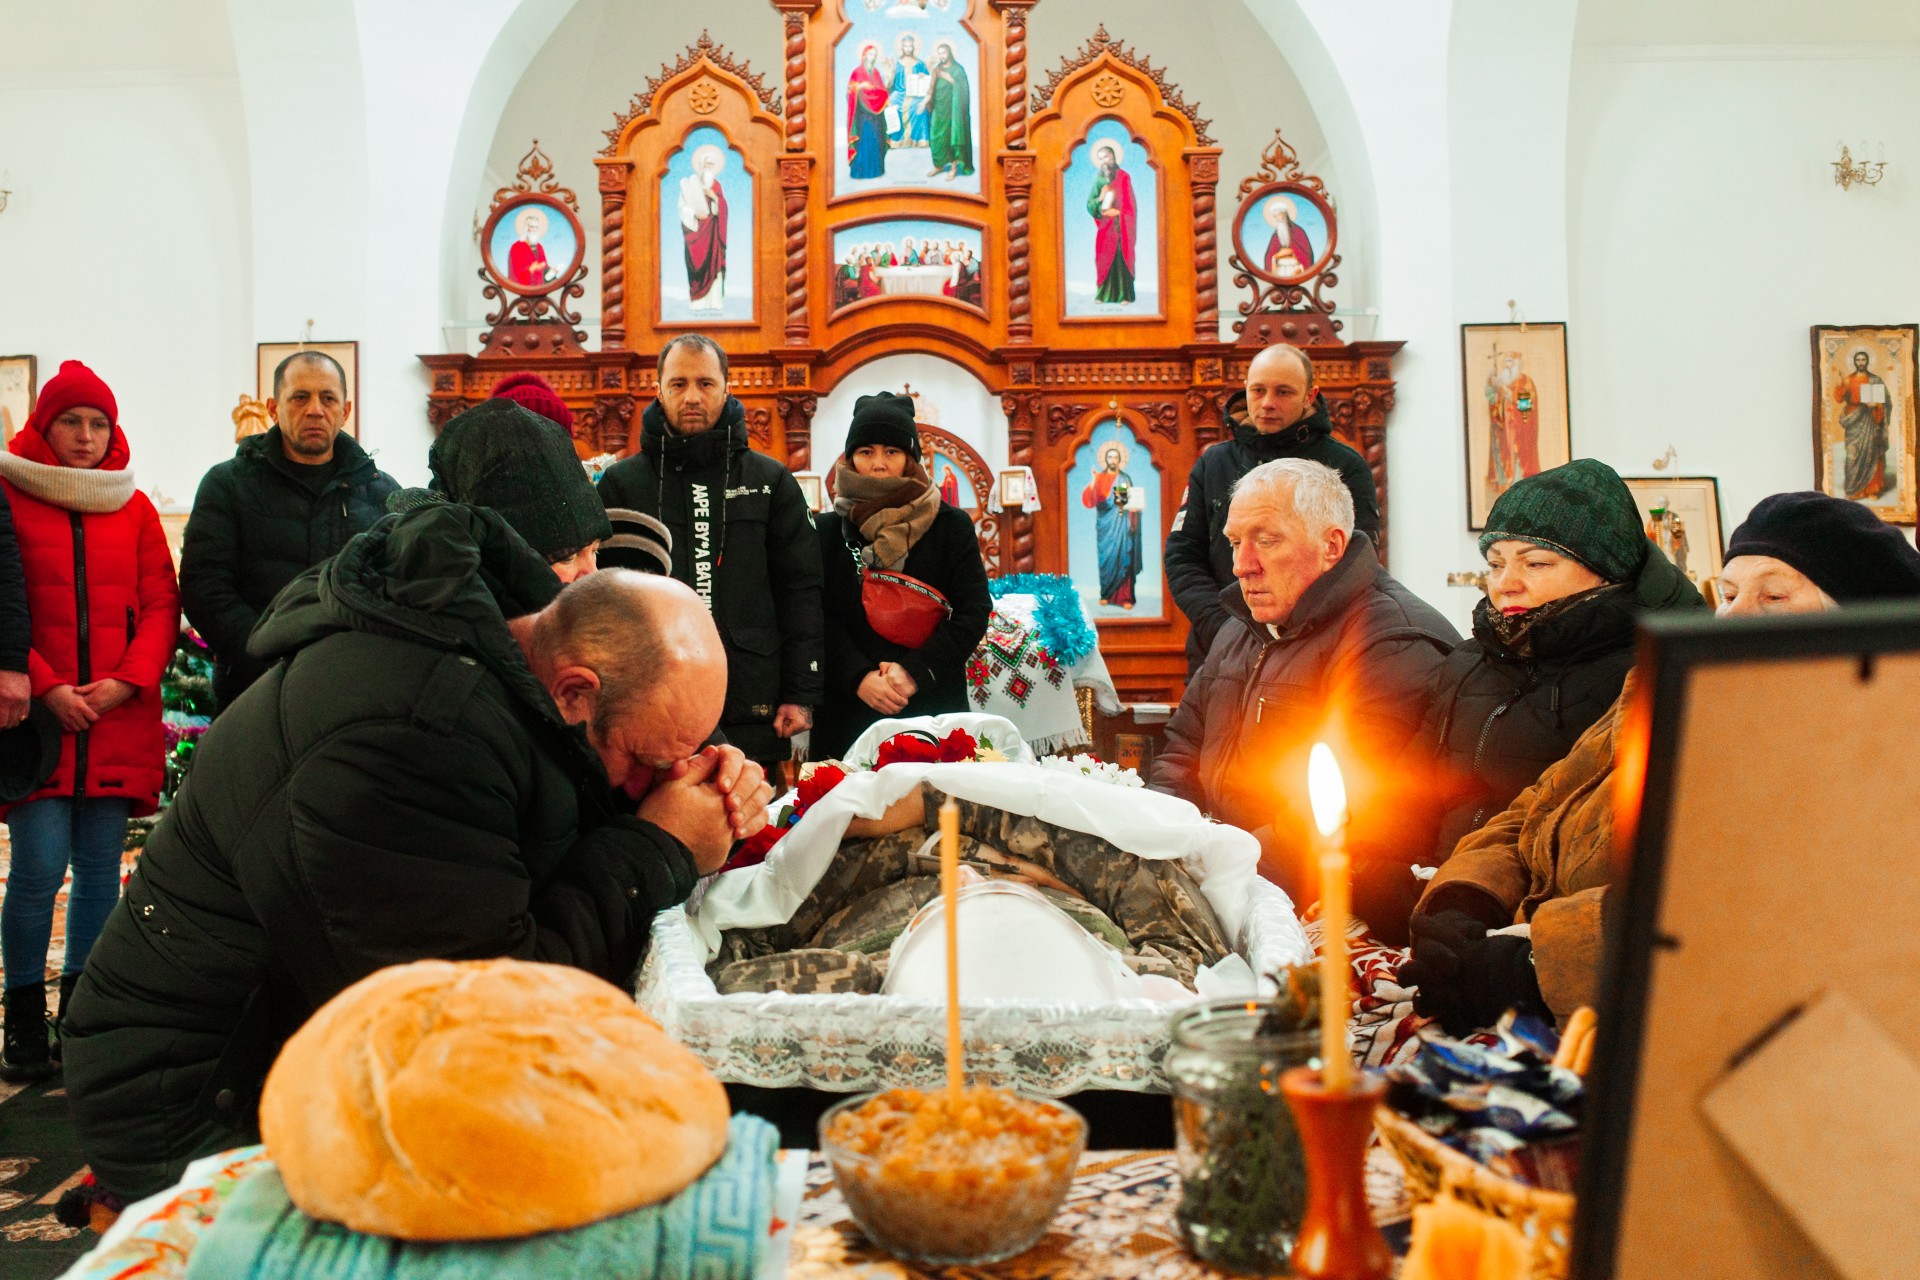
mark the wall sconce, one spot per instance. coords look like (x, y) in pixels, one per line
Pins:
(1847, 171)
(1016, 490)
(813, 487)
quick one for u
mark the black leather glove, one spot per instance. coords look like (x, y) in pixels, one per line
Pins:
(1465, 979)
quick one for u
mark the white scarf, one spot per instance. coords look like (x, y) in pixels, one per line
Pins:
(69, 488)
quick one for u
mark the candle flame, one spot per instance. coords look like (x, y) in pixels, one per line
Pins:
(1326, 790)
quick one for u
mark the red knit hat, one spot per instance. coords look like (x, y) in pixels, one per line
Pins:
(531, 391)
(75, 385)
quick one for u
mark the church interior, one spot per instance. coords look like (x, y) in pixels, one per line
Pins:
(1307, 768)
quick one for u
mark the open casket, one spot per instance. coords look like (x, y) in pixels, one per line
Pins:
(850, 1042)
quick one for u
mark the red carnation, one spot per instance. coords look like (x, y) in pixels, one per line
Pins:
(958, 747)
(753, 851)
(816, 784)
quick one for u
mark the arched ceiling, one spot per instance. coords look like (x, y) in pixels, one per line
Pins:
(180, 37)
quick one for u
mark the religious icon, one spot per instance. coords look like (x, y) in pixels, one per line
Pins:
(1516, 407)
(706, 232)
(1112, 240)
(532, 244)
(1682, 516)
(951, 109)
(1284, 232)
(907, 258)
(1864, 415)
(1114, 535)
(905, 74)
(16, 393)
(1116, 525)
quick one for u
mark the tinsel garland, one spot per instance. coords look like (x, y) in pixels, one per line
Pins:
(1062, 622)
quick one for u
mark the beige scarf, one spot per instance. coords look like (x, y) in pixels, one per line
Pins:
(69, 488)
(891, 512)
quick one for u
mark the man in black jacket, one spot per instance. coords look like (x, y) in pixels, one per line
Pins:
(1319, 645)
(741, 538)
(412, 781)
(287, 500)
(1286, 417)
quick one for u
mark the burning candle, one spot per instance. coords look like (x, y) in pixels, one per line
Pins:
(950, 899)
(1328, 794)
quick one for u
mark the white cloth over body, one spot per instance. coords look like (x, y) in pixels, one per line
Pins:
(1224, 860)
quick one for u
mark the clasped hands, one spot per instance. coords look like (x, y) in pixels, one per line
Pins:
(887, 688)
(708, 801)
(76, 707)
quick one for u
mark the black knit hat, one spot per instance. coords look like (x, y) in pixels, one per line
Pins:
(501, 455)
(1848, 552)
(884, 418)
(638, 542)
(1582, 509)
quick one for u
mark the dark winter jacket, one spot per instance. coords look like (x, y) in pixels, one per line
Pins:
(947, 558)
(15, 625)
(752, 557)
(1199, 561)
(1354, 665)
(399, 788)
(1497, 721)
(105, 606)
(257, 524)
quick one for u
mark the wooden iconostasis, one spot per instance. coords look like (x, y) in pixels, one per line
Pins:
(905, 188)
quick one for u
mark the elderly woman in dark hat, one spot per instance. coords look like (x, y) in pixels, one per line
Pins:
(1569, 570)
(888, 517)
(1546, 860)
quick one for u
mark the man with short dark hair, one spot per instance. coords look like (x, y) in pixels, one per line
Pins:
(1281, 415)
(740, 536)
(288, 499)
(453, 758)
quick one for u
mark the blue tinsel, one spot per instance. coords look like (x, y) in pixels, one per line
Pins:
(1064, 629)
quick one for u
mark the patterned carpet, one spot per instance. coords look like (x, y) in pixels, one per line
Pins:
(39, 1158)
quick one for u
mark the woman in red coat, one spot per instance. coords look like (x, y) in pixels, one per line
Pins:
(106, 612)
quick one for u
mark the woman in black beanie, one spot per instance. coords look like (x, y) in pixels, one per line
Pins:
(886, 516)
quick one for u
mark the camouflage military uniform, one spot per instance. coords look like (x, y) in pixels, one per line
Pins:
(1150, 910)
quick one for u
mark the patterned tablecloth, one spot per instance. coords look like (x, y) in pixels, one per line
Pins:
(1117, 1224)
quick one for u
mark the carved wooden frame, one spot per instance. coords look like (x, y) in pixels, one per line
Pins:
(1066, 503)
(833, 264)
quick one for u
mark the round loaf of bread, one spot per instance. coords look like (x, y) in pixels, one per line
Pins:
(486, 1099)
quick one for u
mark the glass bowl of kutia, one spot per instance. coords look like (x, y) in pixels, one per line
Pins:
(945, 1177)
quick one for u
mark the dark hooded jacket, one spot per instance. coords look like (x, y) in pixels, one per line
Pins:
(752, 556)
(1500, 716)
(1355, 665)
(1199, 561)
(399, 788)
(258, 522)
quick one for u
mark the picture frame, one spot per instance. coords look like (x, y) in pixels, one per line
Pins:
(1697, 541)
(532, 244)
(1865, 381)
(19, 389)
(268, 356)
(1515, 373)
(1306, 218)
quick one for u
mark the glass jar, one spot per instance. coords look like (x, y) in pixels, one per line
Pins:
(1243, 1177)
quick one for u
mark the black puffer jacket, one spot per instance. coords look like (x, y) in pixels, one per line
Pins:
(1355, 665)
(1199, 561)
(16, 626)
(400, 788)
(257, 524)
(752, 557)
(947, 558)
(1497, 721)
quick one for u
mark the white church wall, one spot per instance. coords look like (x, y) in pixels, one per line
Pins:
(1706, 234)
(964, 405)
(127, 238)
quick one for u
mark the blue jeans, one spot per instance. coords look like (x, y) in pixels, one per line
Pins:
(47, 836)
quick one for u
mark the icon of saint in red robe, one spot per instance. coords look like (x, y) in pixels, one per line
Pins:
(1289, 252)
(527, 260)
(703, 229)
(1111, 205)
